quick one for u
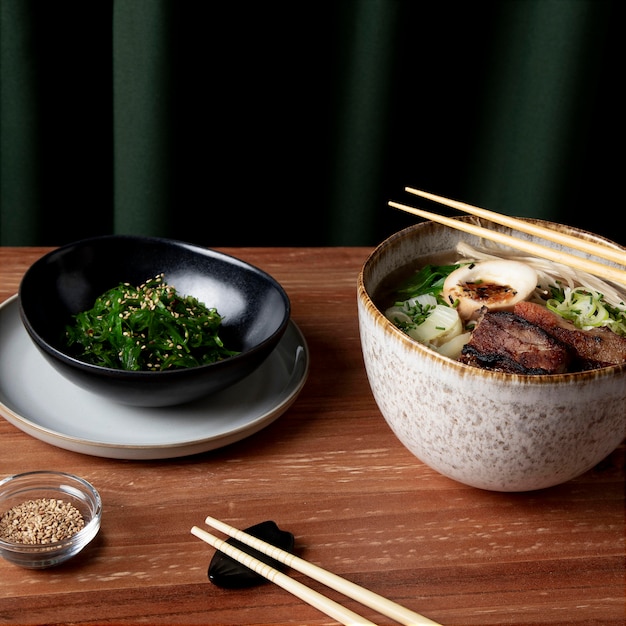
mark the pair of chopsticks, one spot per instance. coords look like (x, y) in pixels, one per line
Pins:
(322, 603)
(598, 250)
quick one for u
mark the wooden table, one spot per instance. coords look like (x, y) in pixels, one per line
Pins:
(330, 471)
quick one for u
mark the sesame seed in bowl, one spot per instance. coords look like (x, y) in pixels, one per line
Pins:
(46, 517)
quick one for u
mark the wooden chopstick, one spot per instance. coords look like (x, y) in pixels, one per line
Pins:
(368, 598)
(592, 267)
(597, 249)
(310, 596)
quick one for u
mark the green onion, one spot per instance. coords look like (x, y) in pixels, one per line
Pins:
(587, 309)
(421, 312)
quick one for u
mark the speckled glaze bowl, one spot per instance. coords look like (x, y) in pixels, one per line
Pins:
(494, 431)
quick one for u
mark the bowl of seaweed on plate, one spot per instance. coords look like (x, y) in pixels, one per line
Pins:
(150, 321)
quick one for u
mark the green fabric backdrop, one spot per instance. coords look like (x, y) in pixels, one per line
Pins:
(293, 123)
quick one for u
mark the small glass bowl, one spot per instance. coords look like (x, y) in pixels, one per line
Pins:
(19, 488)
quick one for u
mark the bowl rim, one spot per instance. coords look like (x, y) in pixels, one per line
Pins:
(367, 302)
(164, 374)
(83, 535)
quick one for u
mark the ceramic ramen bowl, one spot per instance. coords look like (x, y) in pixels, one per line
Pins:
(491, 430)
(255, 312)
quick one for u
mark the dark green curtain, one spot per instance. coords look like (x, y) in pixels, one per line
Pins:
(293, 123)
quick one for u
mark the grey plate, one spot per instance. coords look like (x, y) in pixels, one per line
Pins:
(42, 403)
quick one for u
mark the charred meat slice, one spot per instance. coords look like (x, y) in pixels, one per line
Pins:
(594, 348)
(505, 342)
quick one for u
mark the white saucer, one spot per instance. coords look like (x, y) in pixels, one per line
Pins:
(41, 402)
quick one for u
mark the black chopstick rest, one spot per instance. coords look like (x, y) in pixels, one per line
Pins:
(228, 573)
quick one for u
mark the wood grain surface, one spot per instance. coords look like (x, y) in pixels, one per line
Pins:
(330, 471)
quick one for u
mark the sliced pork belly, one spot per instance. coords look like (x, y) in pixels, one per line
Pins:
(505, 342)
(594, 348)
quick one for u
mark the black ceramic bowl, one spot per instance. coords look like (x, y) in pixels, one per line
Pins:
(254, 307)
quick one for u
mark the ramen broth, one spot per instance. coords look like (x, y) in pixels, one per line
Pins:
(385, 294)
